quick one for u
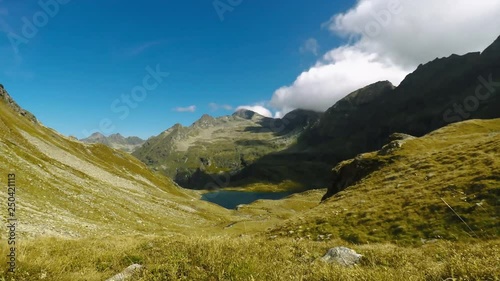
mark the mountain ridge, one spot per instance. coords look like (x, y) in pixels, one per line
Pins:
(194, 155)
(116, 141)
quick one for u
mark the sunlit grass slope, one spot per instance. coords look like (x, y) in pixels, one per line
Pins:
(406, 197)
(67, 188)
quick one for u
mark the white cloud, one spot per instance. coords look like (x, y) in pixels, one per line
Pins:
(191, 108)
(215, 106)
(341, 72)
(310, 46)
(387, 40)
(256, 108)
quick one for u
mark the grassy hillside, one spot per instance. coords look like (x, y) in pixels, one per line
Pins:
(70, 189)
(404, 196)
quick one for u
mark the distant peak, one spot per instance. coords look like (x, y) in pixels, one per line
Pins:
(97, 134)
(206, 117)
(205, 121)
(246, 114)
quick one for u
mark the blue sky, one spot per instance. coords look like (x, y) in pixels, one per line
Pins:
(75, 64)
(91, 52)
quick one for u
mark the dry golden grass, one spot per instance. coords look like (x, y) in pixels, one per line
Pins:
(249, 258)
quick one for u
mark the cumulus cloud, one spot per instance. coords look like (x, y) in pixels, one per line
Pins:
(215, 106)
(386, 41)
(342, 71)
(191, 108)
(310, 46)
(256, 108)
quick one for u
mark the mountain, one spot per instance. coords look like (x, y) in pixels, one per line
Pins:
(116, 141)
(438, 93)
(425, 207)
(441, 92)
(195, 156)
(66, 188)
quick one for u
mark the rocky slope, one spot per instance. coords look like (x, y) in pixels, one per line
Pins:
(68, 188)
(116, 141)
(195, 156)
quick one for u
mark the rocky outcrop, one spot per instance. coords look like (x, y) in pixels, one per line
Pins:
(396, 141)
(349, 172)
(5, 97)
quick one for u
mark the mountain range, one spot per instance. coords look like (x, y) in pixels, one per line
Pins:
(300, 149)
(116, 141)
(409, 176)
(195, 156)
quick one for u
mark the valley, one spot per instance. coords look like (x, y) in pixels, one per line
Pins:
(407, 176)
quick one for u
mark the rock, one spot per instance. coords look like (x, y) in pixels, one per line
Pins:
(342, 255)
(129, 273)
(396, 141)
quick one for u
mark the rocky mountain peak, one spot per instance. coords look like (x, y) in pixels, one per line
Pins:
(204, 122)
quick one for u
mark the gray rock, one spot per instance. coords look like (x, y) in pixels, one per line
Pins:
(129, 273)
(342, 255)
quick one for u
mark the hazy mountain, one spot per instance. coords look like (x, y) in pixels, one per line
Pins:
(116, 141)
(210, 146)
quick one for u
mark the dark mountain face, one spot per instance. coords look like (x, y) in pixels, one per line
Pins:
(441, 92)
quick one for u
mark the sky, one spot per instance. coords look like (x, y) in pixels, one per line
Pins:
(139, 67)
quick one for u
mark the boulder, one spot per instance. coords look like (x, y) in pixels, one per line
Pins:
(342, 255)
